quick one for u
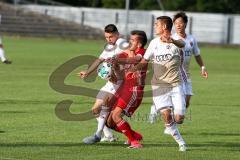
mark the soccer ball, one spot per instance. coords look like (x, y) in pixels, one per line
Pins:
(105, 70)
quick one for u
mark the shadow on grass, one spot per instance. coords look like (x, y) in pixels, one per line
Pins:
(15, 101)
(2, 131)
(211, 134)
(12, 112)
(219, 134)
(207, 146)
(58, 144)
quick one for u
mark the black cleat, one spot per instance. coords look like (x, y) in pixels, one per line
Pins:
(7, 62)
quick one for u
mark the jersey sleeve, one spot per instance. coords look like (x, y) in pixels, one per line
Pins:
(196, 50)
(149, 52)
(103, 55)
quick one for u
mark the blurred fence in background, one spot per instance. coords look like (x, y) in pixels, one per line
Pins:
(207, 28)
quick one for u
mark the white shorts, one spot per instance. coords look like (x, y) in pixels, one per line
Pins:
(109, 87)
(169, 97)
(187, 87)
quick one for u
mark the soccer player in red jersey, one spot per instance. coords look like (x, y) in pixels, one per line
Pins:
(129, 95)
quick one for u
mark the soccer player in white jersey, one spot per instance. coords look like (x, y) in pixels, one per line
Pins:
(2, 55)
(191, 48)
(115, 46)
(166, 81)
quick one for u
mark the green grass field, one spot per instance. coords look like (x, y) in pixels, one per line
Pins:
(30, 130)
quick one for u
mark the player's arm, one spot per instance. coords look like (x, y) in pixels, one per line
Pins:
(179, 43)
(91, 69)
(199, 60)
(143, 63)
(129, 60)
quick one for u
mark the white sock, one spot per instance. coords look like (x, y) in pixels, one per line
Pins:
(153, 110)
(173, 130)
(101, 120)
(107, 132)
(153, 114)
(2, 56)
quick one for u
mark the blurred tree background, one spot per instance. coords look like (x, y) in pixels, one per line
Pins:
(210, 6)
(214, 6)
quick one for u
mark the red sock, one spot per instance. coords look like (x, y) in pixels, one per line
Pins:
(125, 128)
(137, 135)
(117, 130)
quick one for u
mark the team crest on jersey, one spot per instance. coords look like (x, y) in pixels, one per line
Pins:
(168, 46)
(191, 43)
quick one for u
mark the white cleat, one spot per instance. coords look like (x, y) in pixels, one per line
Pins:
(183, 148)
(108, 139)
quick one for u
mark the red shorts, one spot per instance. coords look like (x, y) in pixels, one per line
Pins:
(129, 98)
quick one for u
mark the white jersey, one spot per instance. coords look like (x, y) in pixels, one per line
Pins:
(191, 48)
(167, 60)
(112, 50)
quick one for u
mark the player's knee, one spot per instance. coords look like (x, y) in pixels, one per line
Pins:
(179, 119)
(166, 114)
(116, 117)
(109, 124)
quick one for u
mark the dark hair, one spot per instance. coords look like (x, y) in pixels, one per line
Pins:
(110, 28)
(141, 36)
(167, 20)
(181, 15)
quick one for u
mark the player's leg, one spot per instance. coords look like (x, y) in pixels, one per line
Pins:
(124, 127)
(179, 103)
(189, 92)
(188, 98)
(2, 56)
(104, 97)
(102, 111)
(107, 132)
(163, 102)
(172, 128)
(153, 114)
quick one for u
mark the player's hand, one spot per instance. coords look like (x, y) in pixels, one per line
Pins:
(109, 60)
(112, 60)
(82, 74)
(204, 72)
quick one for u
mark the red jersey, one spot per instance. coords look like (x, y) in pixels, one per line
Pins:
(129, 96)
(137, 78)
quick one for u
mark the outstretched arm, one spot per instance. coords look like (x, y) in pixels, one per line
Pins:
(130, 60)
(201, 64)
(179, 43)
(92, 68)
(139, 66)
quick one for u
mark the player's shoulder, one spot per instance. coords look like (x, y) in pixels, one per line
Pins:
(191, 37)
(154, 41)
